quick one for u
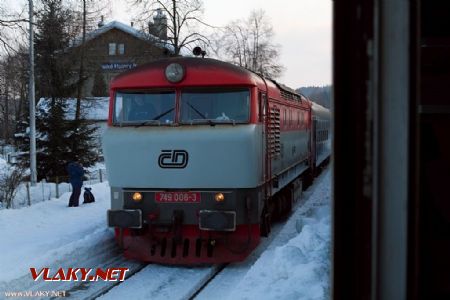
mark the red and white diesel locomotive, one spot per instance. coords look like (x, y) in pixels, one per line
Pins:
(201, 155)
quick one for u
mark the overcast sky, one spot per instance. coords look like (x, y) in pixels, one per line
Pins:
(302, 28)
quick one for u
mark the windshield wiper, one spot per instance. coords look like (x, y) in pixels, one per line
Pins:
(162, 115)
(196, 110)
(155, 120)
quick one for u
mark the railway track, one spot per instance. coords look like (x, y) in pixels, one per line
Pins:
(99, 290)
(219, 269)
(162, 282)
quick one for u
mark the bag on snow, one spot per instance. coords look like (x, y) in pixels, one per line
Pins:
(88, 196)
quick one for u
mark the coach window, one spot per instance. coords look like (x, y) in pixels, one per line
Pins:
(112, 48)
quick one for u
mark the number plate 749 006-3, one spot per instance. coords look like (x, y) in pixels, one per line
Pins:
(177, 197)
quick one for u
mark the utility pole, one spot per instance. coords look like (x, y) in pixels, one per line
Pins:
(33, 175)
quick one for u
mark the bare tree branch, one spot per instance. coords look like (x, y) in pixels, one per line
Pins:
(248, 43)
(187, 40)
(183, 20)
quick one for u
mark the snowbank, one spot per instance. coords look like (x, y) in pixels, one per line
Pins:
(299, 269)
(37, 235)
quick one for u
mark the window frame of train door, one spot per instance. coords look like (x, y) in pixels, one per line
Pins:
(264, 115)
(262, 118)
(262, 102)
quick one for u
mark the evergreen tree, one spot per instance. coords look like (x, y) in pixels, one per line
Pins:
(53, 65)
(60, 140)
(53, 148)
(81, 142)
(99, 89)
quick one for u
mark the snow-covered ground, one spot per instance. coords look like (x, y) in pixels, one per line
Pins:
(297, 270)
(294, 263)
(36, 236)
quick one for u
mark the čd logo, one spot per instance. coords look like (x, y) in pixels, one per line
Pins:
(173, 159)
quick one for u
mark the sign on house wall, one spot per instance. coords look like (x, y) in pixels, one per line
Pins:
(118, 66)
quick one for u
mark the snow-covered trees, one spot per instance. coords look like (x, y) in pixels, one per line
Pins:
(62, 139)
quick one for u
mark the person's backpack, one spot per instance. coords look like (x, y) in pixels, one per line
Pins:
(88, 196)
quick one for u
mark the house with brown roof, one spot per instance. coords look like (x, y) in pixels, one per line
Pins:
(115, 47)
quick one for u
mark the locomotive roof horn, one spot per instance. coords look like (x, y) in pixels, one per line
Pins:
(199, 51)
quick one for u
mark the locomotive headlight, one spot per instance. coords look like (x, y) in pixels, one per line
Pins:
(174, 73)
(137, 197)
(219, 197)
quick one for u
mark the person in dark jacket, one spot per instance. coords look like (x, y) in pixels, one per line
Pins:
(76, 173)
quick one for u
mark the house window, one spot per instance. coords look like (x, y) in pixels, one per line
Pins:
(112, 48)
(121, 49)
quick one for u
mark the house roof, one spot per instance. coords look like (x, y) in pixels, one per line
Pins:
(92, 108)
(144, 36)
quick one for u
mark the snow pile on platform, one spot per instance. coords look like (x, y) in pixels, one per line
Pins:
(297, 270)
(38, 235)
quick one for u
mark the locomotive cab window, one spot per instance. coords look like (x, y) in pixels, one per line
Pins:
(145, 108)
(215, 106)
